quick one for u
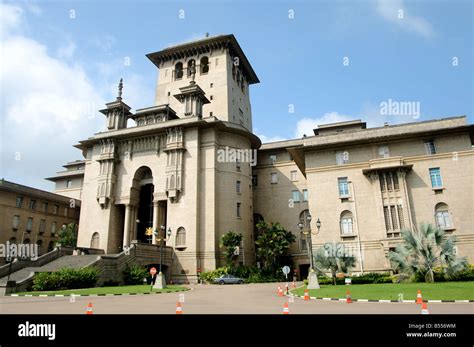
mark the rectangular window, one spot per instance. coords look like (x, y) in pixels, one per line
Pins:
(19, 201)
(382, 182)
(430, 147)
(346, 226)
(32, 204)
(295, 195)
(396, 186)
(342, 157)
(274, 177)
(29, 224)
(304, 243)
(272, 158)
(16, 222)
(66, 210)
(68, 183)
(42, 226)
(386, 215)
(443, 219)
(239, 205)
(401, 219)
(388, 179)
(237, 187)
(394, 217)
(45, 207)
(255, 180)
(53, 228)
(305, 194)
(237, 164)
(294, 175)
(384, 152)
(343, 186)
(435, 175)
(55, 209)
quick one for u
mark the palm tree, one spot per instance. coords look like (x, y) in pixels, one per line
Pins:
(333, 257)
(425, 249)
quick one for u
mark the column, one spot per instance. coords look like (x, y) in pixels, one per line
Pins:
(156, 227)
(126, 227)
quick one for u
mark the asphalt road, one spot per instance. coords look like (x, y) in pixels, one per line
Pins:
(214, 299)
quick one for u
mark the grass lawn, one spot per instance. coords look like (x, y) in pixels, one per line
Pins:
(390, 291)
(113, 290)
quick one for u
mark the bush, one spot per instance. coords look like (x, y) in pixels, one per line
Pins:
(66, 279)
(134, 274)
(209, 276)
(372, 277)
(465, 275)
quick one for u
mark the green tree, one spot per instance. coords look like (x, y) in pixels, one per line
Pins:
(425, 249)
(67, 236)
(272, 244)
(334, 257)
(230, 241)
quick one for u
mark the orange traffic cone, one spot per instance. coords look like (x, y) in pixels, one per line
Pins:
(419, 299)
(179, 309)
(424, 308)
(89, 308)
(286, 310)
(280, 291)
(348, 297)
(306, 294)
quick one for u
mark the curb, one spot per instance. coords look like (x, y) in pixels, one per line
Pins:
(93, 295)
(381, 301)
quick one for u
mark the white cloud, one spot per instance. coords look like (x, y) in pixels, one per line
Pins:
(395, 11)
(105, 42)
(306, 125)
(10, 18)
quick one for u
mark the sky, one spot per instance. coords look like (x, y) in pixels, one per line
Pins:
(318, 62)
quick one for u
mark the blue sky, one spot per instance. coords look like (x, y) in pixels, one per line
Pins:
(63, 55)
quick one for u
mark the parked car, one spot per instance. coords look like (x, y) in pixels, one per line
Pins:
(228, 279)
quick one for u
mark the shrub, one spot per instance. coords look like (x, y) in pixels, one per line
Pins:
(66, 279)
(209, 276)
(372, 277)
(134, 274)
(465, 275)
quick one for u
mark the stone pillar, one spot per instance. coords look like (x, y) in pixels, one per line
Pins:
(126, 227)
(156, 227)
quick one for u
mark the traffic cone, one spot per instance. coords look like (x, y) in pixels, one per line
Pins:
(179, 309)
(306, 294)
(348, 297)
(419, 298)
(89, 308)
(280, 291)
(424, 308)
(286, 310)
(294, 284)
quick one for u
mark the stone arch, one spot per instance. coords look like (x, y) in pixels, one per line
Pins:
(95, 240)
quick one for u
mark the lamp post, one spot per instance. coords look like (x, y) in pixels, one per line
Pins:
(312, 276)
(160, 281)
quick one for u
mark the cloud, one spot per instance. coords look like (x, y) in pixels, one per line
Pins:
(306, 125)
(10, 18)
(267, 139)
(395, 11)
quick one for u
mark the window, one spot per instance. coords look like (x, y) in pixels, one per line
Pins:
(394, 218)
(272, 158)
(211, 85)
(55, 209)
(295, 195)
(29, 224)
(211, 97)
(342, 157)
(32, 204)
(50, 246)
(382, 182)
(435, 175)
(254, 180)
(388, 181)
(39, 243)
(239, 206)
(19, 201)
(386, 215)
(346, 223)
(343, 186)
(384, 152)
(237, 164)
(303, 218)
(181, 237)
(66, 210)
(305, 194)
(430, 147)
(294, 175)
(303, 242)
(45, 207)
(190, 66)
(178, 71)
(41, 226)
(53, 228)
(274, 177)
(204, 65)
(401, 218)
(16, 222)
(443, 219)
(237, 187)
(68, 183)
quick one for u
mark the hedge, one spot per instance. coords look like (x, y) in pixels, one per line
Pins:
(66, 279)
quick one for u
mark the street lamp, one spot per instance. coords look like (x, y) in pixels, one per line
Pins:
(160, 281)
(312, 277)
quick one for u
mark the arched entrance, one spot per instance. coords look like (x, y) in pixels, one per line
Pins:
(143, 183)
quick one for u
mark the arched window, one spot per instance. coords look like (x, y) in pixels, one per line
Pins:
(12, 240)
(26, 241)
(443, 218)
(189, 68)
(95, 240)
(303, 219)
(39, 243)
(181, 237)
(178, 71)
(50, 246)
(204, 65)
(346, 223)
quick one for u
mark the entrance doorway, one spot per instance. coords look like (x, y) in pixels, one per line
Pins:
(145, 213)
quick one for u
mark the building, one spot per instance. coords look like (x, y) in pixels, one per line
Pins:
(69, 182)
(168, 171)
(29, 215)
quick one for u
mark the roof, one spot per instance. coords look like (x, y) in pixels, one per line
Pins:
(204, 46)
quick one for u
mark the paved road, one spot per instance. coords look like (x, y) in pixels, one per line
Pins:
(228, 299)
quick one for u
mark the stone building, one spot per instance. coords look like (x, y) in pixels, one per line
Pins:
(168, 173)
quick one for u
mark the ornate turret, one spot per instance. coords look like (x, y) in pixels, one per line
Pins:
(192, 98)
(117, 112)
